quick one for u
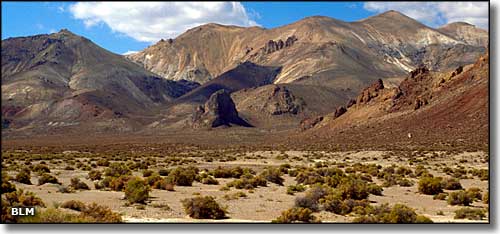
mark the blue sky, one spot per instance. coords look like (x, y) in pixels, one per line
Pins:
(122, 27)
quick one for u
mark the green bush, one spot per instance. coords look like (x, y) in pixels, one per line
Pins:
(351, 188)
(41, 169)
(470, 213)
(297, 214)
(24, 177)
(375, 189)
(117, 170)
(47, 178)
(209, 180)
(430, 185)
(292, 189)
(460, 198)
(273, 175)
(76, 183)
(440, 196)
(182, 176)
(248, 183)
(95, 175)
(73, 205)
(136, 190)
(103, 162)
(203, 208)
(101, 214)
(152, 179)
(474, 193)
(397, 214)
(312, 197)
(452, 184)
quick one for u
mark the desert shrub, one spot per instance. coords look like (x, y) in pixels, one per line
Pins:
(292, 189)
(452, 184)
(397, 214)
(351, 188)
(103, 162)
(7, 187)
(152, 179)
(76, 183)
(209, 180)
(117, 170)
(297, 214)
(118, 184)
(284, 168)
(235, 195)
(486, 198)
(182, 176)
(248, 183)
(73, 205)
(24, 177)
(203, 208)
(17, 198)
(403, 182)
(273, 175)
(163, 185)
(236, 172)
(136, 190)
(163, 172)
(482, 174)
(334, 203)
(374, 189)
(100, 214)
(47, 178)
(430, 185)
(312, 197)
(440, 196)
(94, 175)
(459, 198)
(474, 193)
(470, 213)
(41, 168)
(147, 173)
(420, 171)
(309, 177)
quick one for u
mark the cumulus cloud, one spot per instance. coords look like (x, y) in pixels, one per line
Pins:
(437, 13)
(130, 52)
(152, 21)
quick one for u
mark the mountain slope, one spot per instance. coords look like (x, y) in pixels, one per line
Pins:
(314, 51)
(65, 79)
(427, 108)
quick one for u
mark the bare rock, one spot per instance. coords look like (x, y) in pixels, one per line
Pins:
(219, 110)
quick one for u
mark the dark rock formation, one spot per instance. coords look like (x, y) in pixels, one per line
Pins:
(219, 110)
(369, 93)
(281, 101)
(273, 46)
(340, 111)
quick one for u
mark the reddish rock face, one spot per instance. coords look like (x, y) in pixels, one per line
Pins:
(369, 93)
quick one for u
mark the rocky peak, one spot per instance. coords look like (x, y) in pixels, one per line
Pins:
(219, 110)
(282, 101)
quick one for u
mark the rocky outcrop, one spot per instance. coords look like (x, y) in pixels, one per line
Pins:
(273, 46)
(282, 101)
(371, 92)
(219, 110)
(339, 111)
(308, 123)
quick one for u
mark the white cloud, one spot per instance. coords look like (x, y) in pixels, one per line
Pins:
(437, 13)
(152, 21)
(130, 52)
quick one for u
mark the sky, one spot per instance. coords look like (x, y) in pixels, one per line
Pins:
(126, 27)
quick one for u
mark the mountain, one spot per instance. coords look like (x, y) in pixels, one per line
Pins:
(62, 79)
(315, 50)
(467, 33)
(427, 108)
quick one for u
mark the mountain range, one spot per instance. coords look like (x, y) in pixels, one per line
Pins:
(314, 76)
